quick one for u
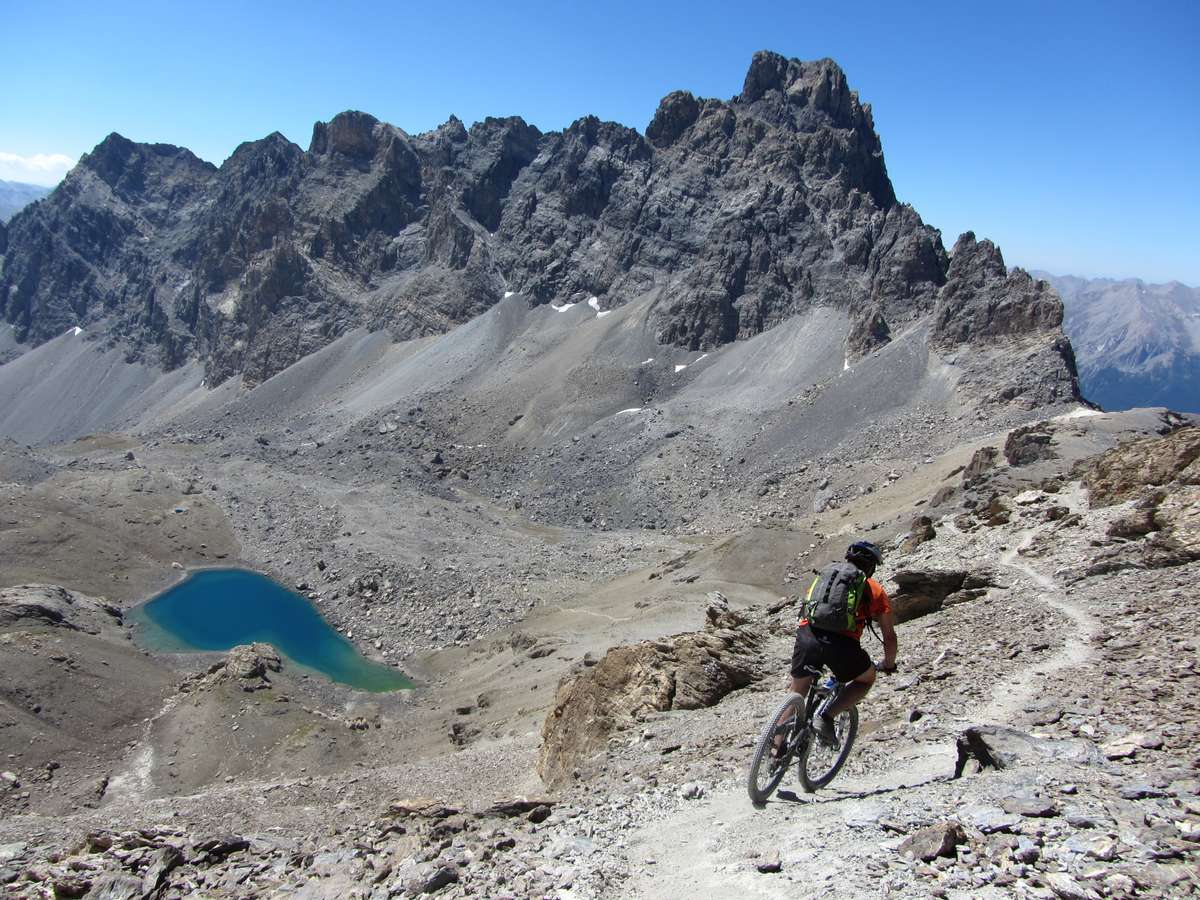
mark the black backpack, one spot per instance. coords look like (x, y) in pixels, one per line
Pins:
(835, 597)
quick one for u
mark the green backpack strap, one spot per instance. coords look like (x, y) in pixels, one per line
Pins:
(857, 595)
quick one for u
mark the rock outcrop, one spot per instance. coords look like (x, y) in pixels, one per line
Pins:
(726, 218)
(1154, 462)
(33, 605)
(247, 666)
(1000, 747)
(1029, 443)
(981, 301)
(687, 671)
(1160, 479)
(868, 332)
(918, 592)
(1020, 318)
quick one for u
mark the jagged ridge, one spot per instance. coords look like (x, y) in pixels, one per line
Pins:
(728, 215)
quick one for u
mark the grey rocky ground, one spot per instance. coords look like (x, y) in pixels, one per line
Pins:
(1099, 797)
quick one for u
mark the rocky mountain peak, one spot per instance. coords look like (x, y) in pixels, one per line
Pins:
(452, 129)
(128, 166)
(975, 262)
(261, 160)
(351, 134)
(981, 300)
(676, 112)
(820, 84)
(814, 98)
(110, 153)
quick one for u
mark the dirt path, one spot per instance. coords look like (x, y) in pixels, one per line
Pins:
(1013, 696)
(706, 848)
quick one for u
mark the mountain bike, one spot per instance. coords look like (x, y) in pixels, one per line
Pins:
(789, 735)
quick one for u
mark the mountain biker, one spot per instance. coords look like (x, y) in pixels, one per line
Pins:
(842, 651)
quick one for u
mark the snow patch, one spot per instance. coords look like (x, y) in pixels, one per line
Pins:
(681, 367)
(1080, 413)
(594, 303)
(631, 409)
(562, 308)
(78, 331)
(846, 364)
(508, 294)
(646, 362)
(603, 313)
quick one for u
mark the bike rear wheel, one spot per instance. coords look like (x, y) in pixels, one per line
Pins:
(766, 769)
(819, 764)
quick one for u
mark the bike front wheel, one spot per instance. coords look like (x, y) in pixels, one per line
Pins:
(820, 763)
(782, 730)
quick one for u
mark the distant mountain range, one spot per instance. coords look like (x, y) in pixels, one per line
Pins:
(1136, 344)
(16, 195)
(724, 220)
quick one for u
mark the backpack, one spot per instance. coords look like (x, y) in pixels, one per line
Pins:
(834, 598)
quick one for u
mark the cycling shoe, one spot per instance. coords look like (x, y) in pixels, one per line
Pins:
(825, 732)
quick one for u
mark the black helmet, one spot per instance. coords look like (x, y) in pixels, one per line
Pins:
(865, 555)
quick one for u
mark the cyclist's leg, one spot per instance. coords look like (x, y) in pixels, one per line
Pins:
(853, 692)
(808, 658)
(800, 685)
(806, 664)
(797, 685)
(852, 666)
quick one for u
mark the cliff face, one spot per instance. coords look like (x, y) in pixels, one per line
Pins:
(727, 216)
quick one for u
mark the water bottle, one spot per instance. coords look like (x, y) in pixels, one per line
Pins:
(831, 685)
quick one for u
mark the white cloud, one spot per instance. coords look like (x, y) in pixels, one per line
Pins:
(41, 168)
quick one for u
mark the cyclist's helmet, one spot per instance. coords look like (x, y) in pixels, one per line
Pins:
(865, 555)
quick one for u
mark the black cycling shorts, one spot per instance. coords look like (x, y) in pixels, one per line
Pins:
(815, 648)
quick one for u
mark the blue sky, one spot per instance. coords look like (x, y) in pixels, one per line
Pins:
(1067, 132)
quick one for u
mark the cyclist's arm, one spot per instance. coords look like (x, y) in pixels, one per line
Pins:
(887, 624)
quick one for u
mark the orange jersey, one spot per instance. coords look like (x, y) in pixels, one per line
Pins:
(877, 604)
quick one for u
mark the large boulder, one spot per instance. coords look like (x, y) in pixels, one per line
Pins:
(920, 531)
(250, 661)
(932, 841)
(982, 461)
(247, 666)
(1029, 443)
(918, 592)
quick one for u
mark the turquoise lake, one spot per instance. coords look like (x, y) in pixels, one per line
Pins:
(216, 609)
